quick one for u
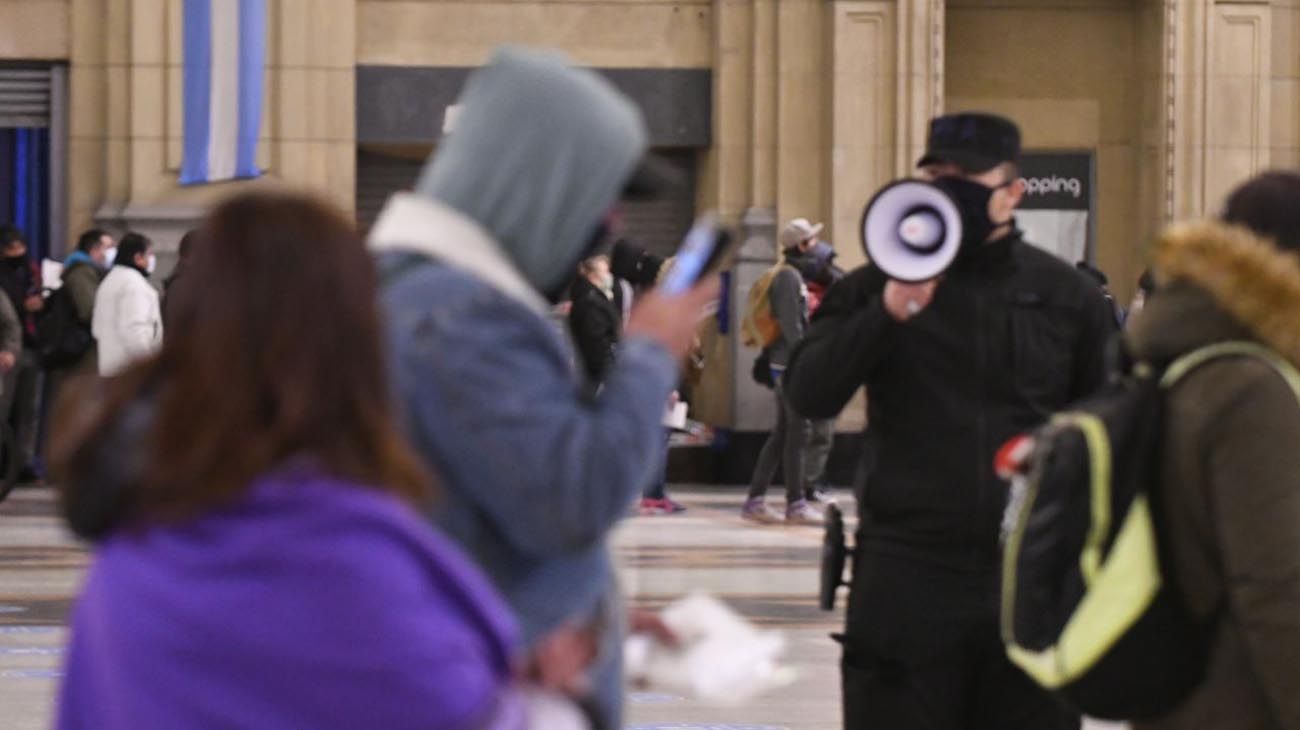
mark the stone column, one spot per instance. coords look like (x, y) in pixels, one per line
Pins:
(729, 168)
(801, 111)
(887, 82)
(764, 129)
(314, 117)
(1220, 85)
(88, 112)
(1285, 87)
(733, 117)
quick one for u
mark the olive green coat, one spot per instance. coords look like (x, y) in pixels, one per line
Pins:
(1231, 479)
(82, 281)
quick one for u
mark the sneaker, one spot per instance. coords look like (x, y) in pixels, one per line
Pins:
(820, 495)
(802, 513)
(756, 510)
(650, 507)
(672, 507)
(664, 506)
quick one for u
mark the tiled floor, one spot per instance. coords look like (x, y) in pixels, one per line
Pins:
(767, 573)
(40, 567)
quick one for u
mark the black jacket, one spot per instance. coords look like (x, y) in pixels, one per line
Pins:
(20, 279)
(596, 322)
(1013, 335)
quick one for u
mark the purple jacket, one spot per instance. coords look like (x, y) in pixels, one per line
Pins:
(309, 604)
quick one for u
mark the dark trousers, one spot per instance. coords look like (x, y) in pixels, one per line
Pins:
(20, 405)
(922, 652)
(821, 437)
(786, 446)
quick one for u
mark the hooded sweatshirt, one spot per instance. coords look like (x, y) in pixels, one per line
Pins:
(554, 172)
(535, 472)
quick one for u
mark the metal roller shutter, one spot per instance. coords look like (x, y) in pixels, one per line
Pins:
(659, 225)
(378, 176)
(656, 225)
(25, 97)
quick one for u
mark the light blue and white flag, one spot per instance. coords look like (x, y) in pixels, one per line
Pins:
(225, 50)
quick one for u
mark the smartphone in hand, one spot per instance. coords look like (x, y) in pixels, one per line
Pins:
(706, 248)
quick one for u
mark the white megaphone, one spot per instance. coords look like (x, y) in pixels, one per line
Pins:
(912, 230)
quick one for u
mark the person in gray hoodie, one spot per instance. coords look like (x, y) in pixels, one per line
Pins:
(535, 470)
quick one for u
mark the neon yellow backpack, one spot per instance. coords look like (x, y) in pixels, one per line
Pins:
(1090, 609)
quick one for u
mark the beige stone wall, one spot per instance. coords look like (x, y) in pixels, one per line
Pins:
(1070, 80)
(1238, 98)
(126, 111)
(1234, 98)
(1284, 131)
(1182, 99)
(608, 33)
(34, 29)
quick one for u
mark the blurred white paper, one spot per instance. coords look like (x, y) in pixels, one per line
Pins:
(675, 417)
(722, 657)
(51, 273)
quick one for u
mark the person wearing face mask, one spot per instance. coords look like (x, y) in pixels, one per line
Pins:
(127, 322)
(788, 442)
(20, 279)
(595, 320)
(68, 348)
(83, 271)
(953, 368)
(537, 470)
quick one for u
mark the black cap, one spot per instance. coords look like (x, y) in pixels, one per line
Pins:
(975, 142)
(654, 178)
(634, 264)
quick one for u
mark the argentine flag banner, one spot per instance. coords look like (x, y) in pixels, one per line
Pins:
(225, 50)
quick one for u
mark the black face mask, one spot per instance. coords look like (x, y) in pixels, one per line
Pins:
(973, 202)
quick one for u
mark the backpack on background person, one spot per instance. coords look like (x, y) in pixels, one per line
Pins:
(1090, 606)
(759, 327)
(62, 339)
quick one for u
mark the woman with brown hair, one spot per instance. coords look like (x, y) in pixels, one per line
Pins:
(258, 563)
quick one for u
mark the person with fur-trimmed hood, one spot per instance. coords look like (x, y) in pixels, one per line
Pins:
(1230, 486)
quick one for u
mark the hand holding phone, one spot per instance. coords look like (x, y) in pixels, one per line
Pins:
(705, 248)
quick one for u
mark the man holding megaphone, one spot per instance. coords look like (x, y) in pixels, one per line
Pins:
(964, 336)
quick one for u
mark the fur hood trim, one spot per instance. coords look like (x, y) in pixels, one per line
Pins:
(1250, 278)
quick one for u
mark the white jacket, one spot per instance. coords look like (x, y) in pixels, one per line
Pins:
(127, 321)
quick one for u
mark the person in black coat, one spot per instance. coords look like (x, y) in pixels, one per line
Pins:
(599, 302)
(20, 280)
(595, 320)
(954, 367)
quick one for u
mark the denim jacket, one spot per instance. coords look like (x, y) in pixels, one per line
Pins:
(534, 473)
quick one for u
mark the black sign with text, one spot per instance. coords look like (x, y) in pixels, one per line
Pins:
(1057, 180)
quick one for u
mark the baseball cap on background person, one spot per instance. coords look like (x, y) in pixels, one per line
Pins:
(799, 230)
(975, 142)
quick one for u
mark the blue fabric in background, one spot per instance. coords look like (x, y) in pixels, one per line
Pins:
(26, 186)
